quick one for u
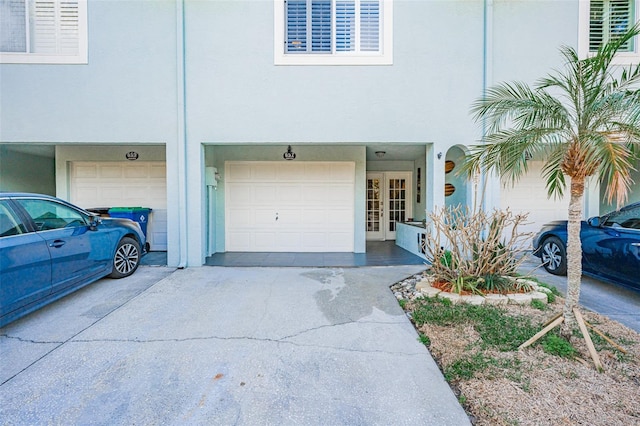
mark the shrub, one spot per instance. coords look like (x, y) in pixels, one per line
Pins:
(474, 252)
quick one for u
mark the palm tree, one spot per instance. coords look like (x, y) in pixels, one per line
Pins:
(582, 121)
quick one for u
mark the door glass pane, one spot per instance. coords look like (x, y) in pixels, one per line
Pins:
(373, 205)
(397, 202)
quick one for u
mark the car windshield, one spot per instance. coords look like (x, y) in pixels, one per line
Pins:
(626, 218)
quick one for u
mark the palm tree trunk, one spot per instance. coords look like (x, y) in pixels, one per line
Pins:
(574, 255)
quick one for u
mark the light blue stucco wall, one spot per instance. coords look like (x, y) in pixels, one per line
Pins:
(126, 93)
(131, 91)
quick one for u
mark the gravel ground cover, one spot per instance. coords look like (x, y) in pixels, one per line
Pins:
(548, 383)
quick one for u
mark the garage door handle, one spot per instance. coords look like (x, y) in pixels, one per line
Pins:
(57, 243)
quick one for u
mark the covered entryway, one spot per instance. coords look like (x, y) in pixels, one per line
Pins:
(289, 206)
(389, 200)
(120, 184)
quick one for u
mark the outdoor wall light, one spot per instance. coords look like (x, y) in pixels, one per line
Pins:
(380, 154)
(439, 155)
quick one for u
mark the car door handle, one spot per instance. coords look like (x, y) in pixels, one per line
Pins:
(635, 244)
(57, 243)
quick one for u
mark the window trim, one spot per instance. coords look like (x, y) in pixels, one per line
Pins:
(368, 58)
(584, 22)
(82, 57)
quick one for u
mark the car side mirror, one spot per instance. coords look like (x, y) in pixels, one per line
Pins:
(594, 221)
(94, 222)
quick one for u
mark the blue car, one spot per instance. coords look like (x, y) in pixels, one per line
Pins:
(610, 246)
(50, 248)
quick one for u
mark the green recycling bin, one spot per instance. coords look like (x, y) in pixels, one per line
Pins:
(137, 214)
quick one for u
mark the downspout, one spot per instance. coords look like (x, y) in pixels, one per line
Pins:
(487, 27)
(181, 87)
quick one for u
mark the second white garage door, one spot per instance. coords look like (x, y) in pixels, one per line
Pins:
(124, 184)
(289, 206)
(529, 195)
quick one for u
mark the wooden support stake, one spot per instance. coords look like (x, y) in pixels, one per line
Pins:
(552, 319)
(601, 334)
(587, 338)
(542, 332)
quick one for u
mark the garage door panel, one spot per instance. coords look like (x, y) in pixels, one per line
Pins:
(242, 241)
(264, 217)
(305, 196)
(262, 172)
(290, 217)
(288, 241)
(342, 172)
(314, 218)
(263, 194)
(262, 241)
(238, 193)
(315, 240)
(237, 172)
(316, 194)
(110, 171)
(342, 241)
(290, 173)
(158, 171)
(289, 194)
(87, 171)
(240, 218)
(136, 171)
(341, 194)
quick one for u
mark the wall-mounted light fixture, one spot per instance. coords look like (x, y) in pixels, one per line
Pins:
(439, 155)
(380, 154)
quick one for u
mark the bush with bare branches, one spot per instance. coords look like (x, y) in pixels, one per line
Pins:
(476, 252)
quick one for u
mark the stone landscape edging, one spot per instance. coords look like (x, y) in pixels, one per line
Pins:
(538, 293)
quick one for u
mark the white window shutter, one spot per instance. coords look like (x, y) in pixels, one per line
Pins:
(321, 26)
(334, 28)
(370, 26)
(609, 19)
(296, 26)
(345, 25)
(54, 27)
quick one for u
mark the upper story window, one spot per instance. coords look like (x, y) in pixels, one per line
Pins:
(333, 32)
(43, 31)
(608, 19)
(602, 21)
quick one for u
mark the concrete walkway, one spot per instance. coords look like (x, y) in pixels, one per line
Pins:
(212, 345)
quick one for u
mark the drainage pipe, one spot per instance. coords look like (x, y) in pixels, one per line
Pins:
(181, 92)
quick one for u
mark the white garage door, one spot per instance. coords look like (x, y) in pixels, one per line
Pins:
(124, 184)
(289, 206)
(530, 195)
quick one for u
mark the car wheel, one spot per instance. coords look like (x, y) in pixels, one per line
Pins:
(126, 259)
(554, 256)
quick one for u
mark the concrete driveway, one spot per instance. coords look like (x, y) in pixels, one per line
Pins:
(212, 345)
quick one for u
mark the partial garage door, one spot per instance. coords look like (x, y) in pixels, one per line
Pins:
(289, 206)
(530, 195)
(124, 184)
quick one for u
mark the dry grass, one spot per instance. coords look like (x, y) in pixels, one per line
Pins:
(533, 387)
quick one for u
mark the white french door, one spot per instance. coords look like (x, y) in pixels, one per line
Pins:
(388, 201)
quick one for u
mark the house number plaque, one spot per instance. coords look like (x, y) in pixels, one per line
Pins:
(289, 155)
